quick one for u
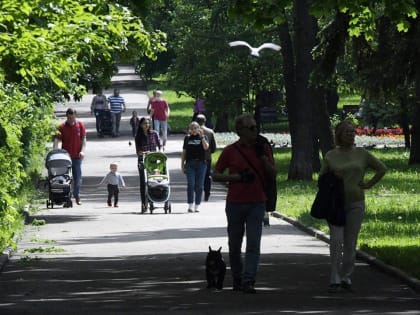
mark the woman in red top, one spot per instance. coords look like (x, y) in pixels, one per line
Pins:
(159, 110)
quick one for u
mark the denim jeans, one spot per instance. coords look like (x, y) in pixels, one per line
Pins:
(161, 126)
(99, 113)
(241, 218)
(343, 241)
(116, 119)
(76, 169)
(195, 171)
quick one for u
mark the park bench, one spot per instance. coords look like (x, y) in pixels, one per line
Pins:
(352, 109)
(270, 115)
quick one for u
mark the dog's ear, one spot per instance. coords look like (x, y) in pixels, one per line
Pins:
(209, 248)
(220, 249)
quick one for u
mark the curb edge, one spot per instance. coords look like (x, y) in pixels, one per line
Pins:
(412, 282)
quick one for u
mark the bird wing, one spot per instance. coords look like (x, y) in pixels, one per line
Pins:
(239, 43)
(270, 46)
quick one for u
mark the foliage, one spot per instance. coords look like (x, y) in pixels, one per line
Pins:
(48, 51)
(206, 66)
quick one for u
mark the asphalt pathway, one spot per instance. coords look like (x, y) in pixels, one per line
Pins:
(95, 259)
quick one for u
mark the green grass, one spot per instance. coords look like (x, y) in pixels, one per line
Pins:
(348, 100)
(391, 228)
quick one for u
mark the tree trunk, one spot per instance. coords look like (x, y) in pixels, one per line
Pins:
(405, 125)
(300, 113)
(323, 137)
(415, 128)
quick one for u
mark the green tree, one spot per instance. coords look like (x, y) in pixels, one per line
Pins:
(46, 49)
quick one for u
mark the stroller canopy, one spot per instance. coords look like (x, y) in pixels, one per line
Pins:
(58, 162)
(155, 160)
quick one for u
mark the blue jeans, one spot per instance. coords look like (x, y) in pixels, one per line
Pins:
(243, 217)
(161, 126)
(76, 168)
(99, 113)
(195, 171)
(116, 119)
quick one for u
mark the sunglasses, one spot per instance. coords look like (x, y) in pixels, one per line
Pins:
(251, 128)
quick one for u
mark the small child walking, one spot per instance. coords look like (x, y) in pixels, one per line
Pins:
(114, 180)
(134, 123)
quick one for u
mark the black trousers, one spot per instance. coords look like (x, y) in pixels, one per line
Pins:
(140, 166)
(207, 179)
(113, 192)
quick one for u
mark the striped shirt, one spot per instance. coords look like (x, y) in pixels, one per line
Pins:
(116, 104)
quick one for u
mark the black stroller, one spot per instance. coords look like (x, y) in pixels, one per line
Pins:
(58, 163)
(105, 125)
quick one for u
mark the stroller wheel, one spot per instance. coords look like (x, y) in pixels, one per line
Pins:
(48, 204)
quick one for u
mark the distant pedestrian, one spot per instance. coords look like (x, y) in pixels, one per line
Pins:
(201, 120)
(193, 164)
(350, 164)
(98, 107)
(134, 123)
(117, 107)
(147, 140)
(245, 201)
(114, 181)
(159, 110)
(149, 106)
(199, 108)
(72, 134)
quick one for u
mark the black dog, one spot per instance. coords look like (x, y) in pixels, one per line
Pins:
(215, 269)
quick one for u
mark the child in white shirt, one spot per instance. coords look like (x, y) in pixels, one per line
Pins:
(114, 180)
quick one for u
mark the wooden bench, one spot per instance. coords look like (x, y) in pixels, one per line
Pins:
(352, 109)
(270, 115)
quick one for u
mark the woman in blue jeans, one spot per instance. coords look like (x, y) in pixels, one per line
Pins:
(193, 164)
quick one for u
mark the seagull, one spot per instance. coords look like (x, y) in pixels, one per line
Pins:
(255, 51)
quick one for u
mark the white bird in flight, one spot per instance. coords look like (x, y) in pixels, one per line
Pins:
(255, 51)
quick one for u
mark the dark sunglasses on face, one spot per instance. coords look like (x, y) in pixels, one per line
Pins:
(251, 128)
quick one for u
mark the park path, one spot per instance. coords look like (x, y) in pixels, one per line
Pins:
(93, 259)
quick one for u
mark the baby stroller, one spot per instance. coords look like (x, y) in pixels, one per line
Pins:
(105, 125)
(157, 180)
(58, 163)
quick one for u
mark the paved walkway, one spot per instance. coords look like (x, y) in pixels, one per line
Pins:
(92, 259)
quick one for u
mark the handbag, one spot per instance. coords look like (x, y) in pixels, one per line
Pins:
(329, 200)
(269, 185)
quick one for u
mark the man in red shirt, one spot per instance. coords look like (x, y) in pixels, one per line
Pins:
(72, 134)
(245, 164)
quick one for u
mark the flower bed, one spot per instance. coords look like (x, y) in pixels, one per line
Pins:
(366, 131)
(283, 139)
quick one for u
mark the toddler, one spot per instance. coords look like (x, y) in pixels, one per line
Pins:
(134, 123)
(114, 180)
